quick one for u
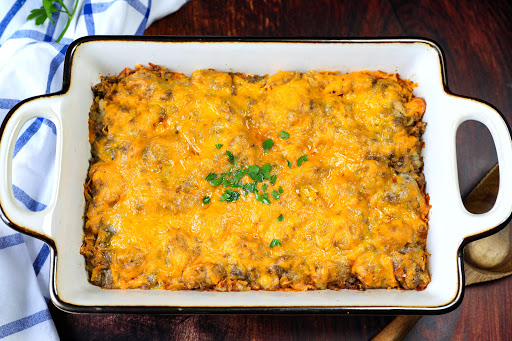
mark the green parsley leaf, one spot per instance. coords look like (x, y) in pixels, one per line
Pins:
(263, 198)
(225, 182)
(216, 182)
(281, 191)
(211, 176)
(230, 196)
(264, 187)
(40, 15)
(234, 196)
(206, 200)
(289, 163)
(253, 171)
(218, 146)
(239, 174)
(259, 178)
(284, 135)
(280, 218)
(265, 170)
(251, 188)
(275, 242)
(49, 9)
(230, 155)
(276, 194)
(302, 159)
(273, 179)
(267, 144)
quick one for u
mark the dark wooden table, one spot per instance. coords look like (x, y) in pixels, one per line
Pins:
(477, 40)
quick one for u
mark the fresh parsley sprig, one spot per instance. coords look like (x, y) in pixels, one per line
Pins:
(46, 11)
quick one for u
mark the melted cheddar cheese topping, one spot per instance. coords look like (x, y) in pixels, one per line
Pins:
(353, 213)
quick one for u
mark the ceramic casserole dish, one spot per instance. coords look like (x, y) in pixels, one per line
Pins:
(61, 223)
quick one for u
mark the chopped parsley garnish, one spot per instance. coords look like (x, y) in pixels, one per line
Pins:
(302, 159)
(273, 179)
(259, 177)
(263, 198)
(267, 144)
(230, 196)
(216, 182)
(284, 135)
(230, 155)
(235, 184)
(206, 200)
(275, 242)
(253, 171)
(280, 218)
(218, 146)
(239, 174)
(233, 178)
(250, 187)
(281, 191)
(211, 176)
(265, 170)
(289, 163)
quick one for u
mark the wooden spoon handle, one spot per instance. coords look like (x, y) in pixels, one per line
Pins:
(397, 329)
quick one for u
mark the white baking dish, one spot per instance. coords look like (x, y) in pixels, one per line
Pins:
(61, 224)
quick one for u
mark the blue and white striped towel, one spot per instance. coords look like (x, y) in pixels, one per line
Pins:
(31, 63)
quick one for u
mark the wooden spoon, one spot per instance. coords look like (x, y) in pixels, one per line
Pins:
(485, 259)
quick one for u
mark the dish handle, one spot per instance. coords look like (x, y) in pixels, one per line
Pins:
(469, 109)
(38, 223)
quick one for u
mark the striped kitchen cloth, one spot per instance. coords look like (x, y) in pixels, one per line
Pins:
(31, 63)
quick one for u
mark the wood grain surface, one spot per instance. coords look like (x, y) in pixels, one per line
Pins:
(476, 37)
